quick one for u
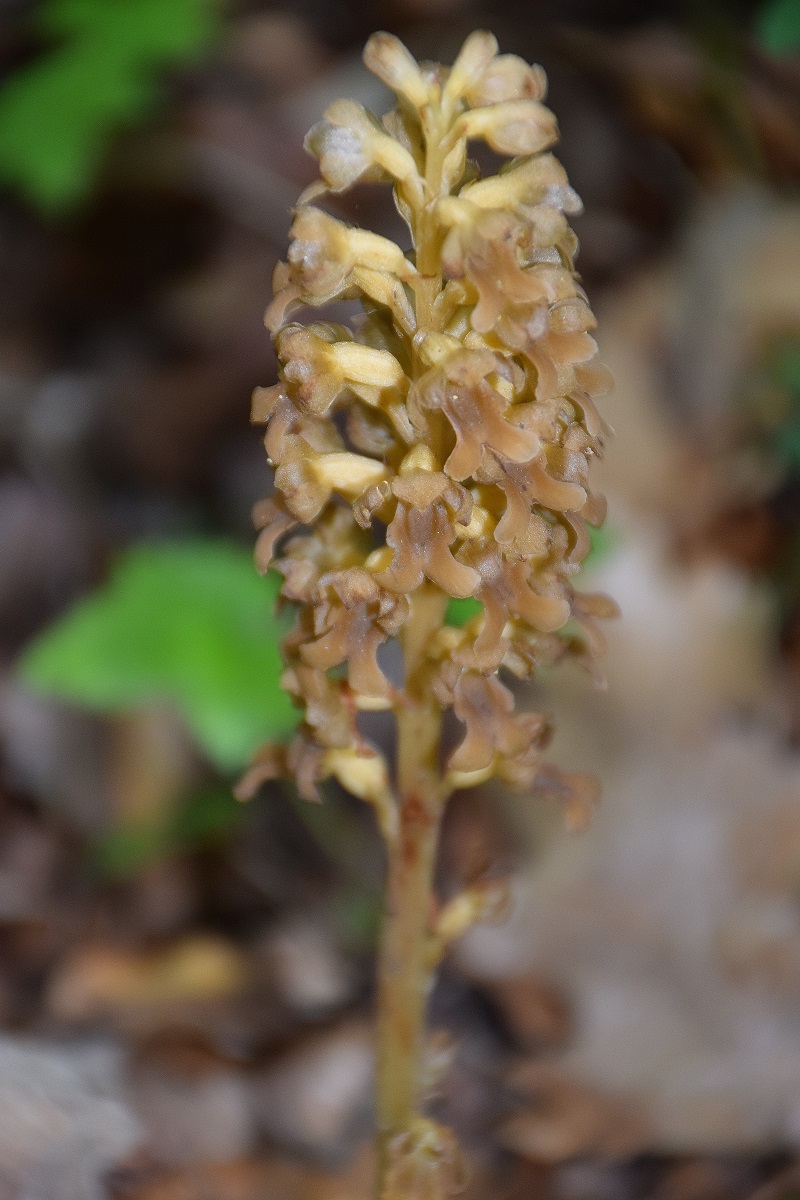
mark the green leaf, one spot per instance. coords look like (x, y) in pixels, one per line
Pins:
(460, 611)
(603, 541)
(787, 447)
(786, 367)
(57, 114)
(128, 849)
(782, 433)
(206, 818)
(778, 26)
(357, 911)
(189, 622)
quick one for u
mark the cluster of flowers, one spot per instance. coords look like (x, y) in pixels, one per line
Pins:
(443, 439)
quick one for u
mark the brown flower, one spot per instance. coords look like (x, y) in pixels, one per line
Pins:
(496, 741)
(422, 530)
(441, 445)
(480, 415)
(353, 615)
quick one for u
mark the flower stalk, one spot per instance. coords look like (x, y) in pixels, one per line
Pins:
(435, 447)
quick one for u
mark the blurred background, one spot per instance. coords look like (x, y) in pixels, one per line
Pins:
(185, 983)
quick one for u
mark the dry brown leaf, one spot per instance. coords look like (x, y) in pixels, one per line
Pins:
(535, 1012)
(570, 1119)
(316, 1094)
(270, 1179)
(245, 1180)
(103, 979)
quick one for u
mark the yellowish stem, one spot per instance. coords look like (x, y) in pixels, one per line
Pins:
(404, 974)
(404, 970)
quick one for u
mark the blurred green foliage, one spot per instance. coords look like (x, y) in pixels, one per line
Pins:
(604, 540)
(357, 911)
(100, 72)
(768, 438)
(203, 820)
(782, 437)
(189, 622)
(785, 373)
(460, 611)
(779, 26)
(768, 394)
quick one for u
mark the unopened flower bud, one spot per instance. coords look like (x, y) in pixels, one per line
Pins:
(474, 57)
(387, 57)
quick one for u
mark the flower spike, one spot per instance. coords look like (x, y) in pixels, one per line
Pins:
(438, 446)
